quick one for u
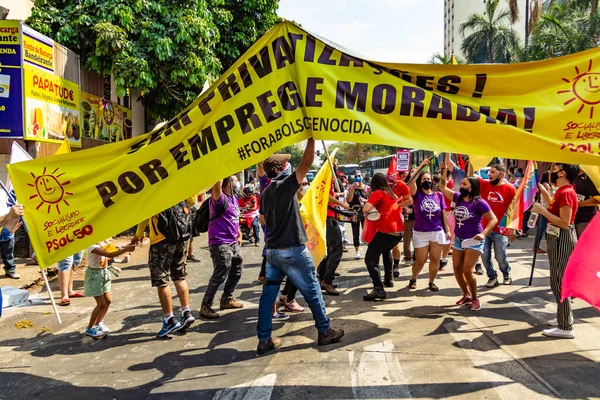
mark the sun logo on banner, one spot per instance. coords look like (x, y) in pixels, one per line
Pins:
(50, 190)
(585, 87)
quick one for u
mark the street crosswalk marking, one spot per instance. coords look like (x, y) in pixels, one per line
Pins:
(377, 374)
(258, 389)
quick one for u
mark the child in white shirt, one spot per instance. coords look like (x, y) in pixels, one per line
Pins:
(97, 284)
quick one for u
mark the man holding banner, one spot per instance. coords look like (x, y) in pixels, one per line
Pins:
(287, 254)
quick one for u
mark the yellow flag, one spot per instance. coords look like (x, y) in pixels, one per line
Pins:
(479, 162)
(593, 172)
(290, 86)
(64, 148)
(313, 211)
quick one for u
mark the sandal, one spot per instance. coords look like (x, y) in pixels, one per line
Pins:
(65, 302)
(433, 287)
(76, 295)
(412, 284)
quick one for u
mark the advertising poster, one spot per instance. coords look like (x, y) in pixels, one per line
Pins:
(103, 119)
(51, 108)
(11, 76)
(38, 49)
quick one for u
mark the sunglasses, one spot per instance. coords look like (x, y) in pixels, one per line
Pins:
(305, 183)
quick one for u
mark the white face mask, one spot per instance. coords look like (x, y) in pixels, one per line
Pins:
(237, 186)
(304, 190)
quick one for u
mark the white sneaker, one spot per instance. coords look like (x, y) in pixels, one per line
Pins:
(552, 322)
(103, 327)
(357, 256)
(558, 333)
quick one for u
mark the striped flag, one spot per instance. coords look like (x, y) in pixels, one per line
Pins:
(524, 199)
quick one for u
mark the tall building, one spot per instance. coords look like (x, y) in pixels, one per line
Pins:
(456, 12)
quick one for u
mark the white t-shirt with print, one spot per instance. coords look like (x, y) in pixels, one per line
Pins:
(95, 260)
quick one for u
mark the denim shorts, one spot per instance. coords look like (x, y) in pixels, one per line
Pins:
(458, 245)
(67, 263)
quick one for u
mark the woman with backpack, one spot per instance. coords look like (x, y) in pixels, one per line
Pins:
(468, 209)
(431, 231)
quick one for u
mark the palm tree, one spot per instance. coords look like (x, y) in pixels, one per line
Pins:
(564, 28)
(438, 58)
(492, 39)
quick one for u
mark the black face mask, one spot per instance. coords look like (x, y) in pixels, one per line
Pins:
(495, 181)
(426, 185)
(553, 177)
(464, 192)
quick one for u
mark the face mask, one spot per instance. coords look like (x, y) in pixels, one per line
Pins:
(464, 192)
(304, 190)
(553, 178)
(517, 175)
(495, 181)
(358, 179)
(426, 185)
(286, 171)
(237, 186)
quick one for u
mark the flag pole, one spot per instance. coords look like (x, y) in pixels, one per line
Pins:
(336, 183)
(538, 237)
(536, 246)
(51, 296)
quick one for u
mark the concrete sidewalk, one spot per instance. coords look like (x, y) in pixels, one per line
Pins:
(416, 344)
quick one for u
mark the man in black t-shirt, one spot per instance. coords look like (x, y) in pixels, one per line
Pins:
(286, 250)
(588, 196)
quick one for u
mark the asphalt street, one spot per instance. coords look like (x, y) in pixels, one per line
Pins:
(416, 344)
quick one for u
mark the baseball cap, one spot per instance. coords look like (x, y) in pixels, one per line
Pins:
(275, 161)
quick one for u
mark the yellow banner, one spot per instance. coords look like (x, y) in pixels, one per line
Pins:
(38, 51)
(313, 211)
(289, 86)
(51, 108)
(10, 33)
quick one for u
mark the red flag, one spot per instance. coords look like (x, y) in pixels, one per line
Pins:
(392, 167)
(582, 275)
(461, 162)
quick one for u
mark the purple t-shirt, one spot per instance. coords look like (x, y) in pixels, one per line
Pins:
(223, 229)
(428, 211)
(468, 216)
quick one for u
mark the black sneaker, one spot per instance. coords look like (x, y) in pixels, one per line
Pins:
(186, 320)
(269, 345)
(478, 269)
(377, 293)
(388, 282)
(443, 264)
(507, 279)
(397, 272)
(331, 336)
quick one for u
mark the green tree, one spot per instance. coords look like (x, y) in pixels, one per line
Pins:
(563, 29)
(241, 23)
(296, 152)
(439, 58)
(167, 49)
(492, 39)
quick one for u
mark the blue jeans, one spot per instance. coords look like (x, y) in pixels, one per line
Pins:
(256, 229)
(67, 263)
(297, 264)
(500, 243)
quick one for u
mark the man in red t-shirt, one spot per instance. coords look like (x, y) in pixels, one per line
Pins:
(498, 193)
(249, 207)
(333, 237)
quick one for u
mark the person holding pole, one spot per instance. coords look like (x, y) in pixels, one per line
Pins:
(562, 238)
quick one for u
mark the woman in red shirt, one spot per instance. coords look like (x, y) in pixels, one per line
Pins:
(389, 229)
(561, 238)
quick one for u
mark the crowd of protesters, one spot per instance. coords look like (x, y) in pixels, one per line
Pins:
(423, 215)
